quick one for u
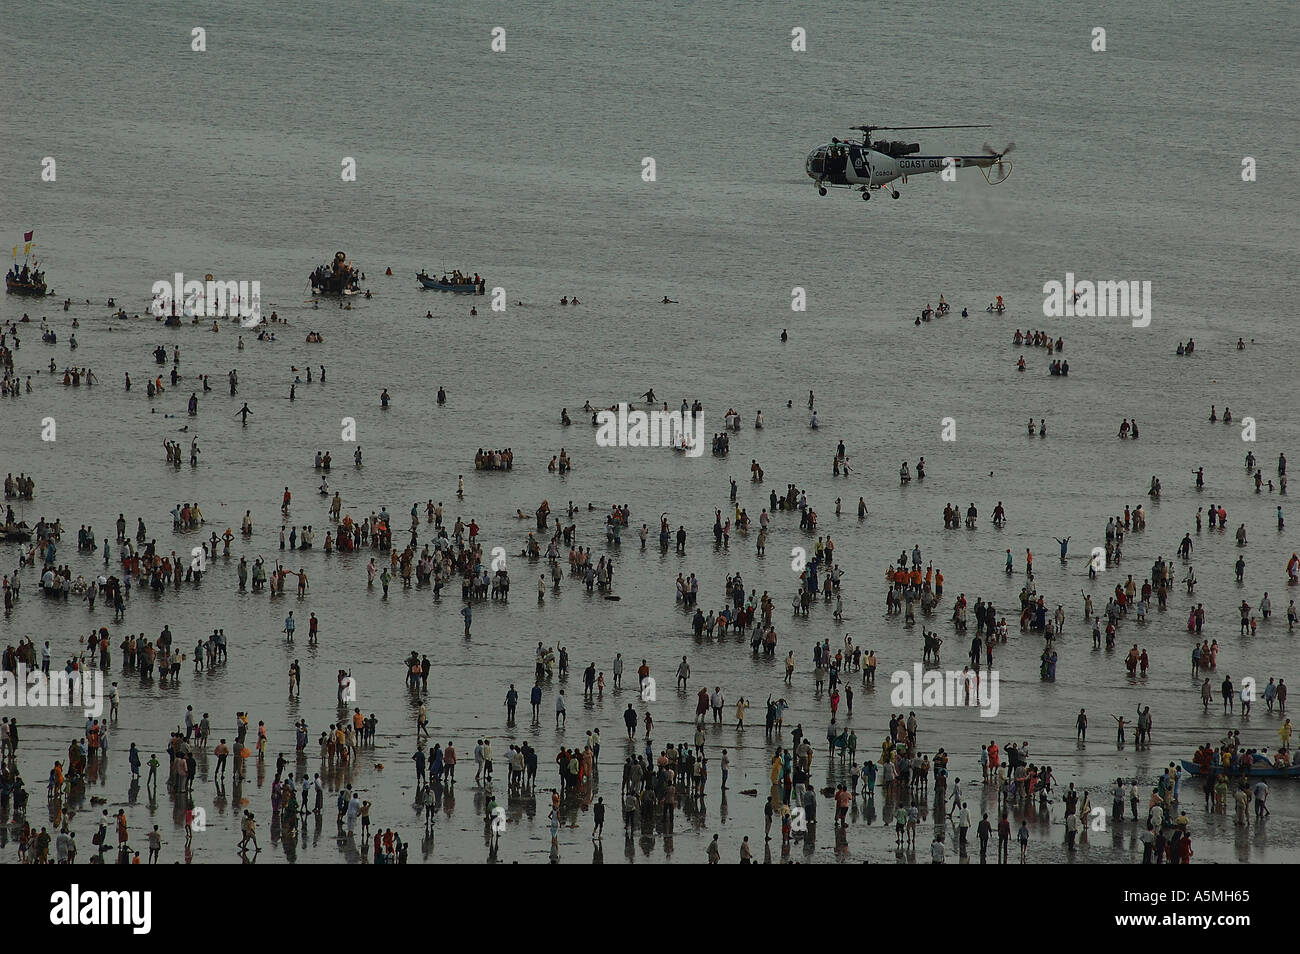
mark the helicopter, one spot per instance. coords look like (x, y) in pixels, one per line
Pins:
(866, 165)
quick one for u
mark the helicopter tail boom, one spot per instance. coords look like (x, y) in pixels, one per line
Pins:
(995, 168)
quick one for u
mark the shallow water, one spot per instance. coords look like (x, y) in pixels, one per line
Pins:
(525, 166)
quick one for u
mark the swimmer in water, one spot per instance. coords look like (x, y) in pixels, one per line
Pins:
(784, 335)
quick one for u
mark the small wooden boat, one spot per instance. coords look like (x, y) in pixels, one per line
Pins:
(15, 287)
(1261, 769)
(463, 288)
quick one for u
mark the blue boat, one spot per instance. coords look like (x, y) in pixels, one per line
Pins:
(463, 288)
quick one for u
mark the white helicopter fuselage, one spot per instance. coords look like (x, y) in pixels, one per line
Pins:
(854, 166)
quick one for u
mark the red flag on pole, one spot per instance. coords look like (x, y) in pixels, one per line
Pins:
(27, 236)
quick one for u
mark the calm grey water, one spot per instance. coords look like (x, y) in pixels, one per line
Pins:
(525, 166)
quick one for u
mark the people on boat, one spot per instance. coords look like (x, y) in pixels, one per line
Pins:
(32, 277)
(336, 277)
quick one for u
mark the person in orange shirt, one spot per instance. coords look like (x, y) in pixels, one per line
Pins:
(842, 800)
(938, 583)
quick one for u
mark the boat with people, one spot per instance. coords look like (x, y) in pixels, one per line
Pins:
(339, 277)
(15, 533)
(1262, 767)
(25, 281)
(457, 281)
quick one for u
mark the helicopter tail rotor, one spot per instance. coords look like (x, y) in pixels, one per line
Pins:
(999, 169)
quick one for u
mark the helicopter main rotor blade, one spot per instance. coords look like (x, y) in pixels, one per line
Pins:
(957, 126)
